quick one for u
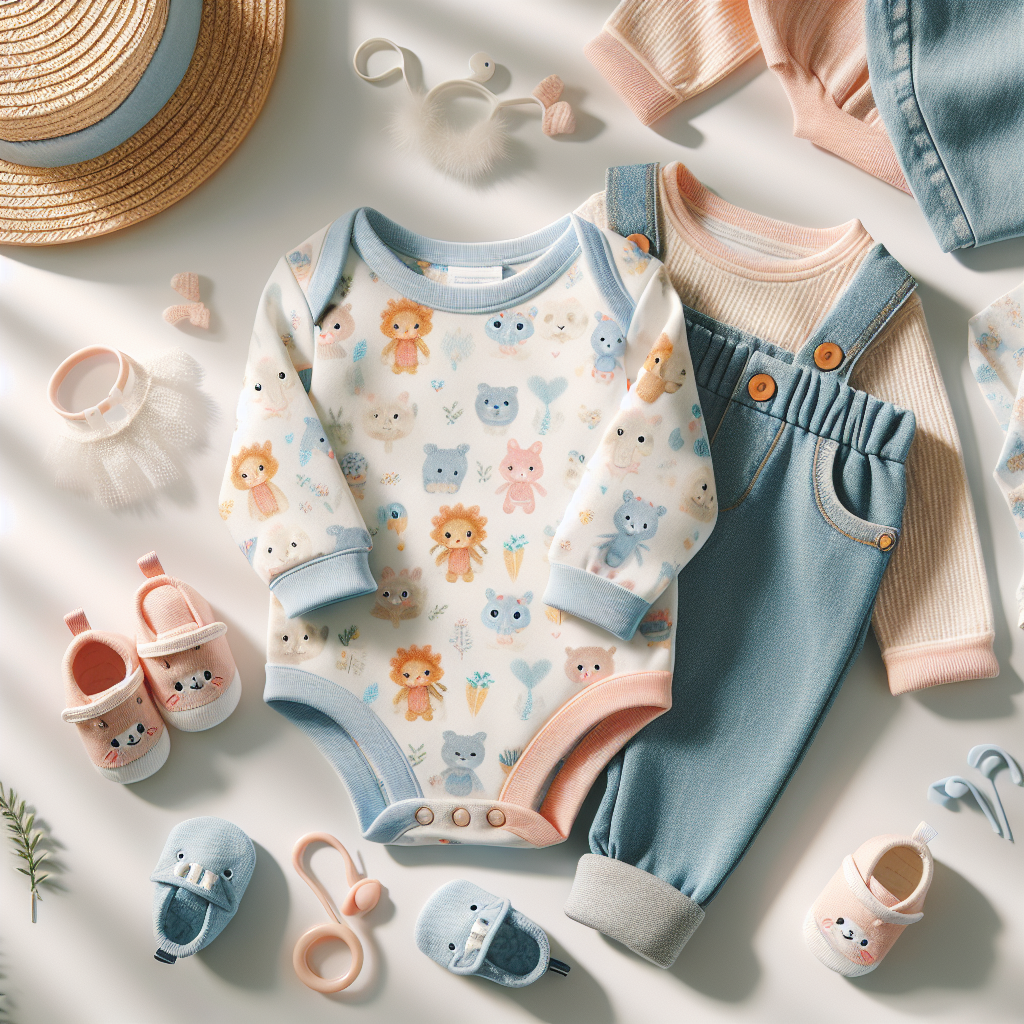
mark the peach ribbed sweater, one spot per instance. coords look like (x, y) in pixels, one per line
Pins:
(933, 619)
(657, 53)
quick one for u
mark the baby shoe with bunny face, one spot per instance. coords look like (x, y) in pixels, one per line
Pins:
(184, 651)
(200, 879)
(110, 704)
(877, 892)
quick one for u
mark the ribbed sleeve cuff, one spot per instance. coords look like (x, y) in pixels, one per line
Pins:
(646, 94)
(634, 907)
(595, 599)
(950, 661)
(323, 581)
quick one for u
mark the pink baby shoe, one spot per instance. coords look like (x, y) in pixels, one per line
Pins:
(109, 702)
(184, 651)
(877, 892)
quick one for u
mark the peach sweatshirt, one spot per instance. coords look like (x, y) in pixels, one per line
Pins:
(933, 618)
(657, 53)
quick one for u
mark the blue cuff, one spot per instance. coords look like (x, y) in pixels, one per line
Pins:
(323, 581)
(595, 599)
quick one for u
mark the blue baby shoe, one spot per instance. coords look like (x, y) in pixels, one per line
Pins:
(468, 931)
(200, 879)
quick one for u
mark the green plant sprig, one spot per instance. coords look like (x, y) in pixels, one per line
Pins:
(25, 838)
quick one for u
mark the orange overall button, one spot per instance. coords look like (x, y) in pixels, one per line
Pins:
(828, 355)
(761, 387)
(460, 816)
(495, 817)
(424, 815)
(640, 241)
(885, 542)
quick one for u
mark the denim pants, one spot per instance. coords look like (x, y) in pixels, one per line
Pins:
(811, 486)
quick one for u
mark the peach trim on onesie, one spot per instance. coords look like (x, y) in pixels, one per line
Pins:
(685, 199)
(587, 732)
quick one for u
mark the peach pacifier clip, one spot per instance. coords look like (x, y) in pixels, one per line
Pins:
(363, 895)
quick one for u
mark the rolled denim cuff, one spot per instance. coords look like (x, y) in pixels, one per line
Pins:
(323, 581)
(634, 907)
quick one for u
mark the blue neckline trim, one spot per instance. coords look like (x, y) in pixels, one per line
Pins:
(602, 264)
(376, 238)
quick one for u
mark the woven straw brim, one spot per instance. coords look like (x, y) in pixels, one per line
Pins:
(209, 114)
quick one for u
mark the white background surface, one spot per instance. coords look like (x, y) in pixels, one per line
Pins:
(317, 150)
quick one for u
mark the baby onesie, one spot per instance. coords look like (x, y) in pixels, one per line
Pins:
(468, 474)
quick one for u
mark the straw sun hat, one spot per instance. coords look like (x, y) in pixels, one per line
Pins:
(112, 110)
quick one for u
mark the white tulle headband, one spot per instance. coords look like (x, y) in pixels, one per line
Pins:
(469, 153)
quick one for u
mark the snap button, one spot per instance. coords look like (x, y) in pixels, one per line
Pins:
(495, 817)
(460, 816)
(424, 815)
(640, 241)
(828, 355)
(885, 542)
(761, 387)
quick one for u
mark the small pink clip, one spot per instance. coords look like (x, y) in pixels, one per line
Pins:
(198, 315)
(558, 116)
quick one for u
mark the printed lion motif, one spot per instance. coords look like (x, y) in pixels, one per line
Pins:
(459, 533)
(252, 470)
(405, 322)
(417, 672)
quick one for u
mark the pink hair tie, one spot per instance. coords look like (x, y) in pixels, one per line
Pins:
(198, 315)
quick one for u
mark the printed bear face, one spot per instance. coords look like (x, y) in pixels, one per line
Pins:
(607, 339)
(522, 465)
(399, 596)
(589, 664)
(313, 440)
(337, 324)
(848, 938)
(497, 407)
(280, 548)
(633, 438)
(444, 469)
(505, 613)
(699, 497)
(510, 327)
(637, 518)
(269, 385)
(292, 641)
(563, 320)
(463, 751)
(388, 419)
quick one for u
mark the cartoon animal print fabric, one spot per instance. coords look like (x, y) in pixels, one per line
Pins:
(996, 351)
(486, 490)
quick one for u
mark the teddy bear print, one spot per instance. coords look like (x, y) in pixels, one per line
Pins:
(337, 325)
(417, 672)
(389, 419)
(496, 407)
(585, 665)
(609, 345)
(253, 469)
(281, 548)
(506, 614)
(631, 440)
(444, 469)
(463, 755)
(459, 533)
(269, 386)
(510, 329)
(848, 938)
(292, 641)
(664, 370)
(522, 469)
(563, 319)
(635, 521)
(314, 439)
(404, 323)
(398, 597)
(699, 498)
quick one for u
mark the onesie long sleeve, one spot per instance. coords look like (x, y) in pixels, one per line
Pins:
(515, 429)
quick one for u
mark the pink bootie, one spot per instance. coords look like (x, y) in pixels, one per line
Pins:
(184, 651)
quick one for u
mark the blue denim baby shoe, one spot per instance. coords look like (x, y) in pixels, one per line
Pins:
(200, 879)
(468, 931)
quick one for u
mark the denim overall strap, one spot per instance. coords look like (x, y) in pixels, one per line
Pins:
(631, 202)
(878, 289)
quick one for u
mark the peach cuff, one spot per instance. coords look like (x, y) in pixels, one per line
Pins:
(950, 661)
(646, 93)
